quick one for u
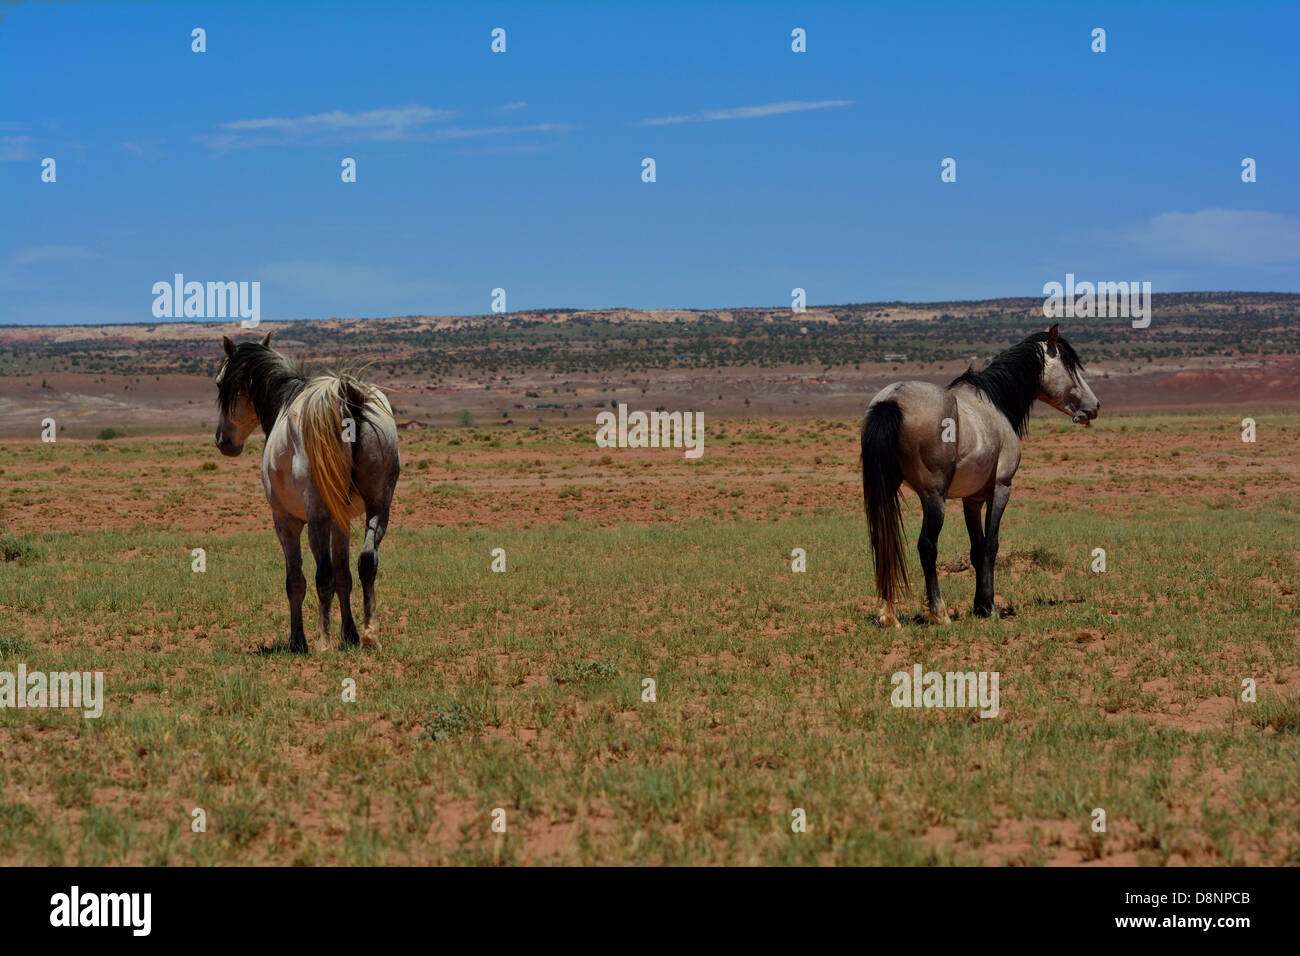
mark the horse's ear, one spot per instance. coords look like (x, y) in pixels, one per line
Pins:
(228, 345)
(1052, 334)
(266, 339)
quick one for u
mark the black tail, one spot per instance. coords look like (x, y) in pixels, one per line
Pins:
(881, 477)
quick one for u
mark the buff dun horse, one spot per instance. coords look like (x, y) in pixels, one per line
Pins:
(330, 456)
(962, 441)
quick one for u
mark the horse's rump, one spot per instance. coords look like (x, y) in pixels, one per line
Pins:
(323, 405)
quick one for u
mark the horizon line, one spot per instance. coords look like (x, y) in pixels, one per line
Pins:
(614, 308)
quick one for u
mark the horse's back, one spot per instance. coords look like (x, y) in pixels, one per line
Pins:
(926, 408)
(917, 397)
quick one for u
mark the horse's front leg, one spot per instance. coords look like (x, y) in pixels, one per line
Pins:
(932, 508)
(997, 504)
(289, 530)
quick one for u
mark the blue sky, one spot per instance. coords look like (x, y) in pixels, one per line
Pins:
(522, 170)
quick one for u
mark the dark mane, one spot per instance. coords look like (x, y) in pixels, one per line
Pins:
(270, 380)
(1010, 380)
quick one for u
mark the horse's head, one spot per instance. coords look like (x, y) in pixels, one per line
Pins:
(1061, 383)
(237, 417)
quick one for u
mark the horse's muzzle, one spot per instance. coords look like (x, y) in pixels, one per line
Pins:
(227, 449)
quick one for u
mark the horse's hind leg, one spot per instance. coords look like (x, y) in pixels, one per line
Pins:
(932, 507)
(318, 536)
(343, 584)
(368, 568)
(975, 528)
(289, 530)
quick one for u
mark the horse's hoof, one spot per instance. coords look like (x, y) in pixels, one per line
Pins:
(889, 619)
(324, 645)
(370, 637)
(944, 618)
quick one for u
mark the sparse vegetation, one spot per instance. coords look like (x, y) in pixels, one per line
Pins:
(1191, 325)
(523, 690)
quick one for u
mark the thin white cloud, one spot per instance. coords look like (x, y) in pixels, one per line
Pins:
(147, 149)
(745, 112)
(1231, 237)
(388, 123)
(455, 133)
(503, 149)
(515, 106)
(225, 141)
(15, 149)
(389, 120)
(52, 253)
(394, 123)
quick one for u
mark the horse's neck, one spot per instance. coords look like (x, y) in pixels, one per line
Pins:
(1005, 401)
(284, 386)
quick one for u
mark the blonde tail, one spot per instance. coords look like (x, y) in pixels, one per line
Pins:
(328, 454)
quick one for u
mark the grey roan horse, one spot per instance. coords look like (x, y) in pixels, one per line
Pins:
(963, 442)
(331, 453)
